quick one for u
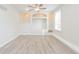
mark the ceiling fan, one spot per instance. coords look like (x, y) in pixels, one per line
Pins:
(36, 7)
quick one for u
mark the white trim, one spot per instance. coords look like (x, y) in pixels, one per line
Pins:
(72, 46)
(35, 34)
(8, 41)
(29, 34)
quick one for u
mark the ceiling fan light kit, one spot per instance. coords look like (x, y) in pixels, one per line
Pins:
(35, 7)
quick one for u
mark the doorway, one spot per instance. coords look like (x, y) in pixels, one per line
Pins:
(38, 25)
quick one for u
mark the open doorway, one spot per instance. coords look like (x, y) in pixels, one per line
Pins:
(39, 25)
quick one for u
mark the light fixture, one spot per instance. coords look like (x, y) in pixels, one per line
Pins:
(26, 9)
(36, 9)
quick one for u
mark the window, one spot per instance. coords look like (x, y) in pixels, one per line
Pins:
(58, 20)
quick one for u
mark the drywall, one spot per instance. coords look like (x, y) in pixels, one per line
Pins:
(9, 25)
(25, 17)
(32, 28)
(33, 24)
(50, 20)
(70, 24)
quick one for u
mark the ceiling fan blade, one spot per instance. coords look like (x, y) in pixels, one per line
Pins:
(30, 6)
(31, 9)
(40, 5)
(43, 8)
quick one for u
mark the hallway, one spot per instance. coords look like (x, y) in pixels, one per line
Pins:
(35, 44)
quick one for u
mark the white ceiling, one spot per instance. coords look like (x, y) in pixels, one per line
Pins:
(22, 7)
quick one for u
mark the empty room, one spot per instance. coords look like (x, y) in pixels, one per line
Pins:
(39, 28)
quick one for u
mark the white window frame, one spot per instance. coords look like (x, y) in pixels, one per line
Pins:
(58, 19)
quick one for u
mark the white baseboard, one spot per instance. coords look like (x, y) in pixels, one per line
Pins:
(29, 34)
(72, 46)
(6, 42)
(34, 34)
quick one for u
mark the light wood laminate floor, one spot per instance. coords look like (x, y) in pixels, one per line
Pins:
(35, 44)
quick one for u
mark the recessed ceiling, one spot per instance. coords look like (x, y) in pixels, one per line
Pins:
(24, 7)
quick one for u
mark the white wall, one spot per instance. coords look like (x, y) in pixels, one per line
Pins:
(9, 24)
(34, 27)
(70, 24)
